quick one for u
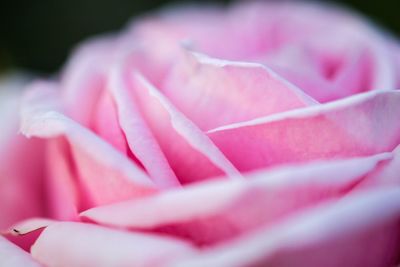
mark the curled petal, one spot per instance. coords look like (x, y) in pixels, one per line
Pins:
(190, 152)
(105, 174)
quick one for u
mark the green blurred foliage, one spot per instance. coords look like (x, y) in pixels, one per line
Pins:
(39, 34)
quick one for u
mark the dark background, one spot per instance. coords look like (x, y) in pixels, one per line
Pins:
(39, 34)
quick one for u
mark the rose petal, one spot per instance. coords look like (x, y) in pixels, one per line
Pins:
(364, 124)
(13, 256)
(30, 225)
(214, 92)
(105, 174)
(84, 77)
(139, 137)
(62, 184)
(348, 80)
(20, 188)
(329, 235)
(215, 211)
(190, 152)
(106, 125)
(77, 244)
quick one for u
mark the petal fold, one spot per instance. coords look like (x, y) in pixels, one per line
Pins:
(360, 125)
(105, 174)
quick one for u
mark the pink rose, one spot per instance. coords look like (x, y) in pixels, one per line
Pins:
(265, 134)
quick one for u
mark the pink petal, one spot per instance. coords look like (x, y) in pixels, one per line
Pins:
(358, 230)
(62, 184)
(190, 152)
(214, 92)
(387, 173)
(20, 187)
(105, 122)
(83, 78)
(214, 211)
(364, 124)
(105, 174)
(78, 244)
(30, 225)
(349, 79)
(13, 256)
(26, 232)
(139, 137)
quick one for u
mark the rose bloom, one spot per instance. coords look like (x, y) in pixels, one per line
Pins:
(262, 134)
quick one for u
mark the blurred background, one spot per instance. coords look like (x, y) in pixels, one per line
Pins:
(39, 34)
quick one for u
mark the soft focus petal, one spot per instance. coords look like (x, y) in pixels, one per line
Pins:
(84, 77)
(78, 244)
(30, 225)
(20, 187)
(361, 230)
(13, 256)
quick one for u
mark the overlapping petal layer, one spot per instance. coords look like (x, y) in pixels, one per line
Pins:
(364, 124)
(216, 211)
(105, 175)
(253, 136)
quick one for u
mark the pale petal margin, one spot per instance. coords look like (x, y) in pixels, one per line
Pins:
(106, 174)
(190, 152)
(214, 92)
(13, 256)
(217, 210)
(79, 244)
(313, 237)
(360, 125)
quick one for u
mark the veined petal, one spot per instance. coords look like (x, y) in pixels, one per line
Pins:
(364, 124)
